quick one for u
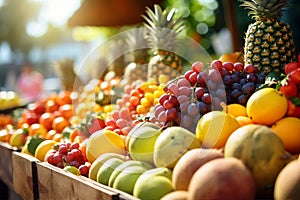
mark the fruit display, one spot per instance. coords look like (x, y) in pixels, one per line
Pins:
(224, 129)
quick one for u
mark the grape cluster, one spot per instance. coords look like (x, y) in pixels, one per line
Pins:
(201, 90)
(69, 154)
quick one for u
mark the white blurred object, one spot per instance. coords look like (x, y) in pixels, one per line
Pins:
(222, 42)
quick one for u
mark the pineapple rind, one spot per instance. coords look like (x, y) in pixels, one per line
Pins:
(269, 45)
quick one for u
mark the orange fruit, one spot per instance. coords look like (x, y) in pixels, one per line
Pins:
(243, 120)
(51, 106)
(266, 106)
(288, 129)
(37, 129)
(73, 134)
(57, 137)
(46, 119)
(50, 134)
(236, 110)
(59, 123)
(66, 111)
(232, 57)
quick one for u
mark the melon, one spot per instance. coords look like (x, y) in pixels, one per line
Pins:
(261, 150)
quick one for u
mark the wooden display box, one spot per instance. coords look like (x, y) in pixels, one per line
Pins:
(6, 169)
(25, 175)
(55, 183)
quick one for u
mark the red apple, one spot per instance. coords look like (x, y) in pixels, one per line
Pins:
(291, 67)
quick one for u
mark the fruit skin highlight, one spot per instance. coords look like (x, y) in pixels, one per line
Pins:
(266, 106)
(104, 141)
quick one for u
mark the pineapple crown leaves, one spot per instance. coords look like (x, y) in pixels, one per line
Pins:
(264, 8)
(136, 38)
(162, 27)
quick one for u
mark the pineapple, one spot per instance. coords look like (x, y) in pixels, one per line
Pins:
(269, 43)
(163, 29)
(137, 57)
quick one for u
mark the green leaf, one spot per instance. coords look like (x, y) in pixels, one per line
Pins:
(32, 143)
(295, 101)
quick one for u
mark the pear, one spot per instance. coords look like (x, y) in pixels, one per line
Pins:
(171, 144)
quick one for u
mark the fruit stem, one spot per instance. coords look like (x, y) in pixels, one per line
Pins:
(224, 106)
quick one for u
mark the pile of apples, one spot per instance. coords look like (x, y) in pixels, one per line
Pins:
(290, 87)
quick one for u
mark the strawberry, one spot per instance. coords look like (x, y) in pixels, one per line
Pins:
(291, 67)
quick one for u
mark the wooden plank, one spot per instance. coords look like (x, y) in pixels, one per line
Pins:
(122, 195)
(55, 183)
(6, 171)
(24, 175)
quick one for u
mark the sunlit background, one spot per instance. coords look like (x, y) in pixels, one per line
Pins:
(37, 31)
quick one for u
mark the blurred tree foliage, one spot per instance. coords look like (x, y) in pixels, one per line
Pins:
(203, 18)
(14, 17)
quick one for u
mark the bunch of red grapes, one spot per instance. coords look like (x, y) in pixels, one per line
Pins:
(202, 90)
(69, 154)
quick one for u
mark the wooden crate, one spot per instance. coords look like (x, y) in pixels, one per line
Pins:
(25, 175)
(55, 183)
(6, 170)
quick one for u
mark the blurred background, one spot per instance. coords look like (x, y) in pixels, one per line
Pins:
(45, 32)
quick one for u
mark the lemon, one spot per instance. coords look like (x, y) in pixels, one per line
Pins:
(72, 169)
(43, 148)
(266, 106)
